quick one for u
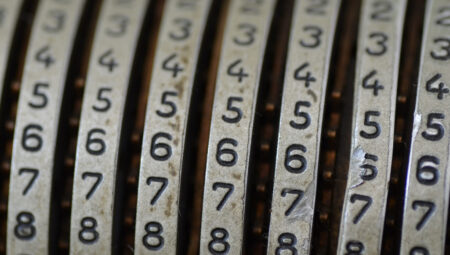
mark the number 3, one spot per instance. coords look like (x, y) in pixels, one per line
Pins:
(315, 33)
(381, 40)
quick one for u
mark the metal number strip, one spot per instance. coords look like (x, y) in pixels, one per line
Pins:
(229, 146)
(36, 130)
(9, 15)
(94, 189)
(172, 83)
(306, 77)
(427, 189)
(375, 90)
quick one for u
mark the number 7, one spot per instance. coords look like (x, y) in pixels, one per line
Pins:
(227, 195)
(34, 173)
(365, 207)
(296, 201)
(98, 177)
(163, 182)
(427, 215)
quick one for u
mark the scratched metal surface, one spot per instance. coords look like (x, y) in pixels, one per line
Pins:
(333, 161)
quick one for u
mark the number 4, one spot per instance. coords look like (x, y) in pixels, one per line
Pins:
(307, 78)
(107, 60)
(44, 56)
(440, 89)
(175, 68)
(375, 85)
(231, 71)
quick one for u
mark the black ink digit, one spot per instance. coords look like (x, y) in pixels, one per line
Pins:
(174, 68)
(153, 231)
(440, 89)
(32, 141)
(426, 173)
(317, 8)
(381, 11)
(103, 99)
(240, 74)
(57, 25)
(315, 33)
(44, 56)
(121, 22)
(380, 39)
(444, 52)
(24, 229)
(88, 233)
(368, 202)
(286, 242)
(98, 179)
(435, 130)
(307, 78)
(430, 208)
(299, 195)
(108, 61)
(164, 182)
(370, 171)
(304, 115)
(249, 31)
(295, 163)
(221, 152)
(95, 146)
(234, 109)
(184, 28)
(221, 185)
(354, 248)
(165, 151)
(38, 92)
(219, 245)
(169, 104)
(370, 123)
(375, 85)
(34, 175)
(444, 16)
